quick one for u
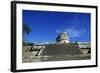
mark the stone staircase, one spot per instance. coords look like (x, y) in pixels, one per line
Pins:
(60, 49)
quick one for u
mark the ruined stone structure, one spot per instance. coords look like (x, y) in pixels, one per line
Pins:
(61, 47)
(62, 38)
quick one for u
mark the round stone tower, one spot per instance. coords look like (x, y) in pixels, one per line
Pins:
(62, 38)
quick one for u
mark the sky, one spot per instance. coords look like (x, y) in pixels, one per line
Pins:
(46, 25)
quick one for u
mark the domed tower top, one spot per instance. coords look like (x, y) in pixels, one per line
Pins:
(62, 38)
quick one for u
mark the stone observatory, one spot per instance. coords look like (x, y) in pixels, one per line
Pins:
(61, 47)
(62, 38)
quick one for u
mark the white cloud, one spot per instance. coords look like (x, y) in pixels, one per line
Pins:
(75, 32)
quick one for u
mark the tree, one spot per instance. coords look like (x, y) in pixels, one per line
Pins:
(26, 31)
